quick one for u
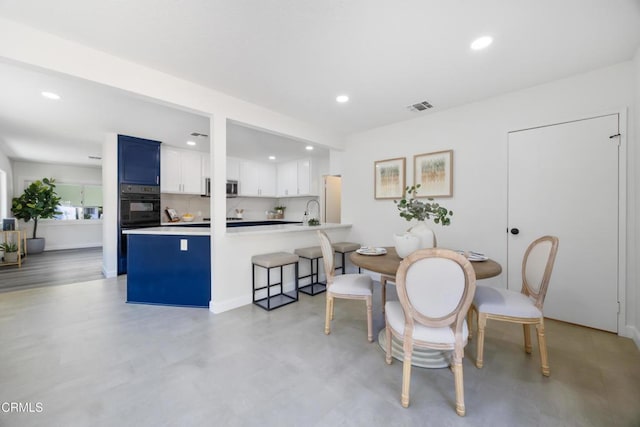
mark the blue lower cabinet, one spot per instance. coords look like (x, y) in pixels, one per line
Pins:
(169, 270)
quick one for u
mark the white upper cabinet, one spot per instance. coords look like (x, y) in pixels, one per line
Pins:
(181, 171)
(257, 179)
(305, 178)
(206, 165)
(295, 179)
(233, 169)
(287, 179)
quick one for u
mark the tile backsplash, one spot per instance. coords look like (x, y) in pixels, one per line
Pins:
(254, 208)
(186, 203)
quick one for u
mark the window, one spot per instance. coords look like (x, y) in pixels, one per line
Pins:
(79, 201)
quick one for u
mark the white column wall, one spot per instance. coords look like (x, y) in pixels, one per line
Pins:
(5, 166)
(634, 209)
(477, 133)
(110, 206)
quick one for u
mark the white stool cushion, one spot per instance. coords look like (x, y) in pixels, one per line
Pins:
(352, 284)
(275, 259)
(312, 252)
(445, 335)
(503, 302)
(344, 247)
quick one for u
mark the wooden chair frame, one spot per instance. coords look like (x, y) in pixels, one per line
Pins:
(526, 322)
(329, 268)
(455, 320)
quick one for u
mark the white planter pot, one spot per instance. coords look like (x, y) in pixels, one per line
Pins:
(425, 234)
(11, 257)
(406, 243)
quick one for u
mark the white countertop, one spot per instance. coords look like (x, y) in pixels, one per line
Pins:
(171, 231)
(281, 228)
(179, 223)
(234, 231)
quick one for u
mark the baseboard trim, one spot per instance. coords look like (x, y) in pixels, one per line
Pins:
(109, 273)
(63, 247)
(218, 307)
(634, 334)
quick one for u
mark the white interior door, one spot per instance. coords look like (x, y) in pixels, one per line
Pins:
(563, 181)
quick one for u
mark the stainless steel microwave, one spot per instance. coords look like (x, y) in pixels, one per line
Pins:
(232, 188)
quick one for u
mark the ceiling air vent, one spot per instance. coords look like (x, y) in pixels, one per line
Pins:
(420, 106)
(197, 134)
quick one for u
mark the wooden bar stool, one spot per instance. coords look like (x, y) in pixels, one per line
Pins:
(269, 261)
(343, 248)
(313, 254)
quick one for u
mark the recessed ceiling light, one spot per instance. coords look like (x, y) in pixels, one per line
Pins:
(50, 95)
(342, 98)
(272, 157)
(309, 147)
(191, 143)
(481, 42)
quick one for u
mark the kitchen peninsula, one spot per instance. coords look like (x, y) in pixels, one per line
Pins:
(171, 265)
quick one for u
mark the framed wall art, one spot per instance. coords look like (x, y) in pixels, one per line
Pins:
(434, 173)
(389, 178)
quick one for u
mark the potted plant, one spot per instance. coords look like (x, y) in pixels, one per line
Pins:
(39, 201)
(419, 236)
(10, 250)
(280, 211)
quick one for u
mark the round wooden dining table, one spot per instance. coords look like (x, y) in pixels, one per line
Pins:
(387, 265)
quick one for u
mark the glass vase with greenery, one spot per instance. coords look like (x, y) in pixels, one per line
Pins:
(411, 207)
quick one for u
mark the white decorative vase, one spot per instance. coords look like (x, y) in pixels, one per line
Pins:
(11, 257)
(406, 243)
(425, 234)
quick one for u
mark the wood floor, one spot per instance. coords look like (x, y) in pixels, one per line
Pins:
(53, 268)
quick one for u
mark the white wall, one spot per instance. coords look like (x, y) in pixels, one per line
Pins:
(5, 199)
(478, 135)
(60, 234)
(634, 209)
(110, 206)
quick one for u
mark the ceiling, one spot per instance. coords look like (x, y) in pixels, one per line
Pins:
(71, 130)
(296, 56)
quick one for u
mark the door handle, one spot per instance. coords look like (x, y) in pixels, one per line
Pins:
(514, 231)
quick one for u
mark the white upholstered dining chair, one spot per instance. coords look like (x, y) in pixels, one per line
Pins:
(384, 278)
(435, 288)
(524, 307)
(347, 286)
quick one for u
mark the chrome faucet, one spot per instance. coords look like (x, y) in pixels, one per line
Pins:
(307, 211)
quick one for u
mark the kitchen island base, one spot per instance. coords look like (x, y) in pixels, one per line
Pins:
(169, 270)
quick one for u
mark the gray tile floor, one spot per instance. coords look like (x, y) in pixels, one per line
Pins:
(92, 360)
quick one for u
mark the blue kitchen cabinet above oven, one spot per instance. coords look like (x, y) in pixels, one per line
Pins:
(138, 161)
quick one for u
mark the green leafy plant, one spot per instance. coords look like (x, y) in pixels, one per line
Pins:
(9, 247)
(412, 208)
(314, 221)
(39, 201)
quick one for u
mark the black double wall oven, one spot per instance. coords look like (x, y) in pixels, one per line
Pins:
(139, 208)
